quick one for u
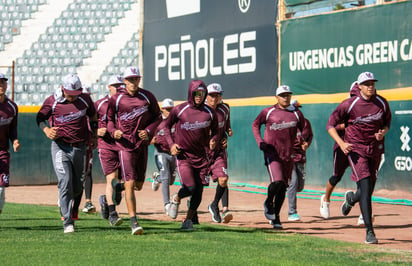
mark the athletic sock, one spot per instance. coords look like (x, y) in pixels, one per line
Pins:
(112, 208)
(219, 193)
(225, 197)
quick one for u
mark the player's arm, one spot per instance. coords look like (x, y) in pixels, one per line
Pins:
(42, 117)
(336, 118)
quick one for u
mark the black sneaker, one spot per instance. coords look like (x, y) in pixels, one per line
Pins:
(370, 237)
(195, 219)
(214, 211)
(269, 210)
(114, 219)
(276, 223)
(104, 208)
(118, 188)
(346, 206)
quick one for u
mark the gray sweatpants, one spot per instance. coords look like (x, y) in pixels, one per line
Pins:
(296, 185)
(68, 163)
(166, 164)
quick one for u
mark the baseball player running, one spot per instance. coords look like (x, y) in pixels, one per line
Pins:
(133, 116)
(282, 122)
(8, 132)
(63, 119)
(368, 119)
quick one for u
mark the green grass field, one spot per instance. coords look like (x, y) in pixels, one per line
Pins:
(33, 235)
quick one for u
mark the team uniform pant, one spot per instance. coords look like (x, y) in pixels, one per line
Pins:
(297, 184)
(166, 164)
(68, 164)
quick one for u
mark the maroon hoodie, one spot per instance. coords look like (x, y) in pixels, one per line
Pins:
(193, 124)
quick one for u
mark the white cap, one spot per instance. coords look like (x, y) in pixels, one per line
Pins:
(131, 72)
(366, 76)
(283, 89)
(2, 76)
(72, 85)
(214, 88)
(167, 103)
(115, 79)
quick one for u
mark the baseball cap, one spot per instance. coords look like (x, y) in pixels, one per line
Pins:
(295, 103)
(214, 88)
(167, 103)
(115, 79)
(366, 76)
(72, 85)
(283, 89)
(131, 72)
(2, 76)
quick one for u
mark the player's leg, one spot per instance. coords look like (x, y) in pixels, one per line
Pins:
(111, 181)
(340, 164)
(291, 191)
(213, 207)
(88, 185)
(275, 174)
(2, 197)
(63, 168)
(4, 176)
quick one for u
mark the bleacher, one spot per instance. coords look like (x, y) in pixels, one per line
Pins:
(127, 56)
(12, 13)
(64, 46)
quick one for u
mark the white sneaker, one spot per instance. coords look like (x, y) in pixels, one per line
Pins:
(156, 183)
(167, 206)
(173, 208)
(69, 229)
(361, 222)
(324, 207)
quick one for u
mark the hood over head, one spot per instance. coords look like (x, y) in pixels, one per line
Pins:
(196, 85)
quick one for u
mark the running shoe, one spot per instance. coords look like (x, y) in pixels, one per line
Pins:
(227, 216)
(187, 225)
(269, 210)
(324, 208)
(104, 208)
(346, 206)
(214, 211)
(89, 207)
(294, 217)
(156, 183)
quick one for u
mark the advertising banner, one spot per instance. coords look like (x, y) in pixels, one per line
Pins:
(230, 42)
(326, 53)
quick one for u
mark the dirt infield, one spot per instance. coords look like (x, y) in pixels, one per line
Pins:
(393, 223)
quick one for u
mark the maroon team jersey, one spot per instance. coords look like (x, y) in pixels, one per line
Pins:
(305, 135)
(281, 126)
(8, 123)
(193, 125)
(69, 117)
(105, 142)
(161, 141)
(130, 113)
(363, 118)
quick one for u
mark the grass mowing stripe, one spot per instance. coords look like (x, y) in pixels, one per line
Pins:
(33, 235)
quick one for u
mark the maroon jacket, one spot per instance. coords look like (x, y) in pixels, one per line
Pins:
(194, 125)
(8, 123)
(130, 113)
(69, 117)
